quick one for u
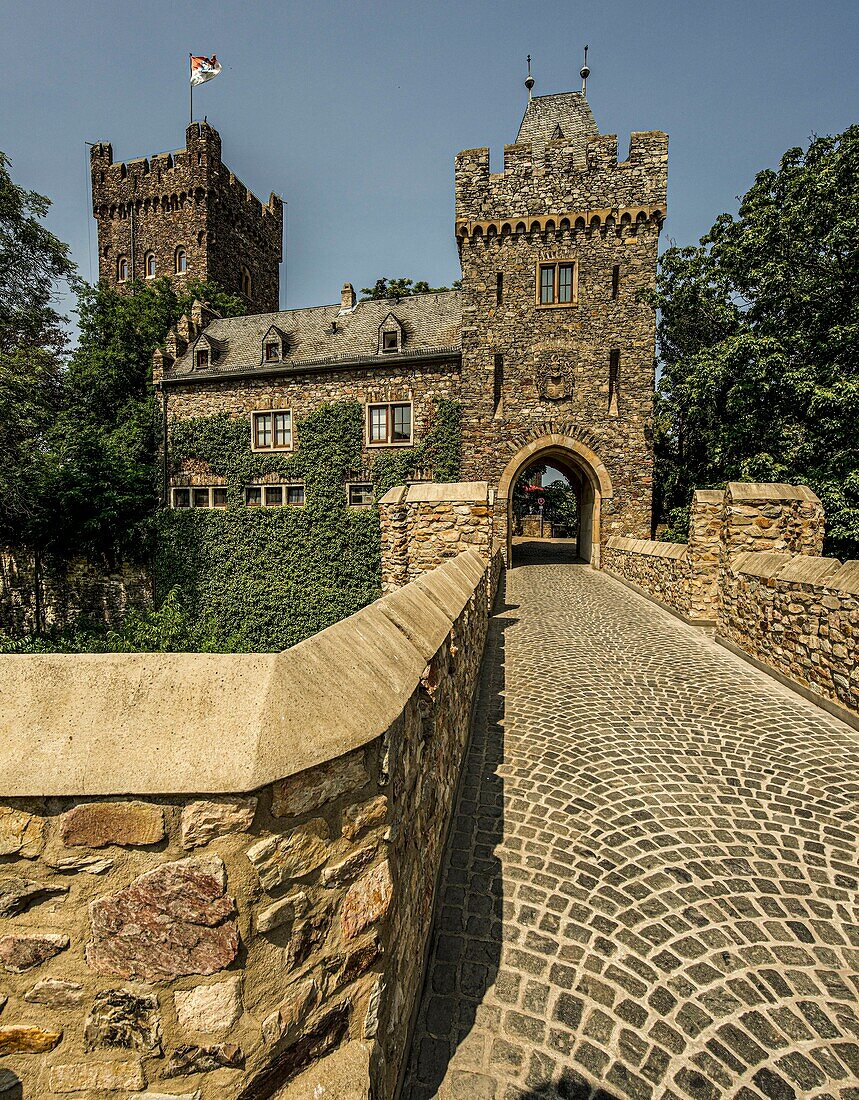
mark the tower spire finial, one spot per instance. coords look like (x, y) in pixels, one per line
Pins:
(529, 80)
(584, 73)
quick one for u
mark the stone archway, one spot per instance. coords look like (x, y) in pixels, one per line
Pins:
(570, 454)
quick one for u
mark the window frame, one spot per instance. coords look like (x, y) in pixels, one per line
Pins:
(149, 259)
(350, 485)
(264, 487)
(555, 265)
(278, 351)
(272, 448)
(386, 335)
(206, 354)
(192, 490)
(389, 441)
(180, 266)
(122, 269)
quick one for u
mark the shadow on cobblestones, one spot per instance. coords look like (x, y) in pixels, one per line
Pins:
(466, 947)
(546, 552)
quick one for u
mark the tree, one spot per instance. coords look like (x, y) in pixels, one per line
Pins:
(758, 340)
(106, 437)
(402, 288)
(32, 340)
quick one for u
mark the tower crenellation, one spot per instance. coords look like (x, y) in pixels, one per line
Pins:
(185, 215)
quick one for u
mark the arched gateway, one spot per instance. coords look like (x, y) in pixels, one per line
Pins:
(585, 472)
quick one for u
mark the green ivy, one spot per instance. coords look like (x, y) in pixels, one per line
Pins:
(270, 577)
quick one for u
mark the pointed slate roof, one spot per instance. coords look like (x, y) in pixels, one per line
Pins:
(566, 116)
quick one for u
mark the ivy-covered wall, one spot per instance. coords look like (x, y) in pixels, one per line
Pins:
(269, 577)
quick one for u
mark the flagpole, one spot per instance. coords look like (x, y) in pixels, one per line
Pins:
(191, 119)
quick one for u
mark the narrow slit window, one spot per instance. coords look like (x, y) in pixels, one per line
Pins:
(613, 378)
(497, 382)
(499, 288)
(615, 281)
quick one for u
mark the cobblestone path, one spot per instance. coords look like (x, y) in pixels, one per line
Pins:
(651, 887)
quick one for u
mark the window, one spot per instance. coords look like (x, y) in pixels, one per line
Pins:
(272, 431)
(390, 341)
(274, 496)
(388, 424)
(122, 269)
(615, 281)
(149, 265)
(181, 261)
(200, 496)
(360, 494)
(497, 382)
(202, 358)
(557, 284)
(499, 288)
(272, 351)
(246, 282)
(613, 379)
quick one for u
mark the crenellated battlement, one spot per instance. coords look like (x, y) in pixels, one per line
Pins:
(552, 181)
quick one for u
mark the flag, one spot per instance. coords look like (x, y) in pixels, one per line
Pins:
(203, 69)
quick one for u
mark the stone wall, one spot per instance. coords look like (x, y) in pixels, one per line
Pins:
(64, 595)
(799, 616)
(771, 516)
(219, 871)
(661, 570)
(425, 524)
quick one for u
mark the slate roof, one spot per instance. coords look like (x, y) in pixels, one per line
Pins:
(431, 324)
(545, 115)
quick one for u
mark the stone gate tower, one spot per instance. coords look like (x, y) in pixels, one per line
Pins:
(185, 215)
(557, 353)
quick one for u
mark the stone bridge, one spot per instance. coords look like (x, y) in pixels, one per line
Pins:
(551, 832)
(650, 889)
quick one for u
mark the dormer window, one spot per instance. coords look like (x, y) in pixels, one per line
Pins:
(273, 345)
(390, 335)
(201, 359)
(181, 261)
(122, 269)
(149, 265)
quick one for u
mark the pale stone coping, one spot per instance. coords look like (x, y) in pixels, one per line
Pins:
(648, 547)
(762, 490)
(342, 1075)
(194, 723)
(822, 572)
(456, 492)
(709, 496)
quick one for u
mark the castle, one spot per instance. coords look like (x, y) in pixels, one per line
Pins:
(546, 346)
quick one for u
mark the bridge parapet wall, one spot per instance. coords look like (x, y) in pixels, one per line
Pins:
(799, 616)
(219, 870)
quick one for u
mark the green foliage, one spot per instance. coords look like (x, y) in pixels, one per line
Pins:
(105, 440)
(561, 503)
(167, 629)
(402, 288)
(31, 345)
(266, 577)
(758, 337)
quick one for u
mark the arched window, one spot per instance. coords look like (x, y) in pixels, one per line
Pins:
(246, 282)
(150, 265)
(181, 261)
(122, 269)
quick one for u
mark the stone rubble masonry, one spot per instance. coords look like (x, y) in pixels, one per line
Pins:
(424, 524)
(67, 593)
(187, 198)
(556, 361)
(239, 943)
(753, 570)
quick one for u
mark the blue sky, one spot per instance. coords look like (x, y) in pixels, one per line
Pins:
(354, 111)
